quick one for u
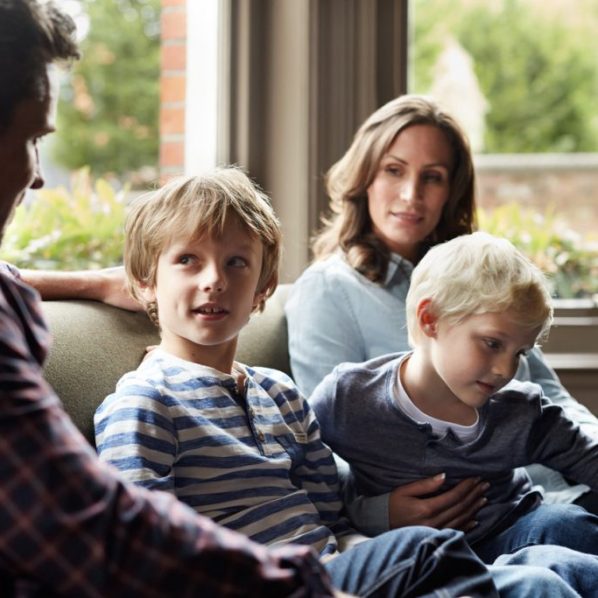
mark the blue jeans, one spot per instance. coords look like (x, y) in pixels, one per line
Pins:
(412, 561)
(420, 561)
(561, 525)
(578, 570)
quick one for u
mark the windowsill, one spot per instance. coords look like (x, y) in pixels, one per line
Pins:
(572, 361)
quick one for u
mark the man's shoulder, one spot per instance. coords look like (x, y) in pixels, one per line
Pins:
(9, 270)
(22, 320)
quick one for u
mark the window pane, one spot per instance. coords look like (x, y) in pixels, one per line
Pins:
(522, 78)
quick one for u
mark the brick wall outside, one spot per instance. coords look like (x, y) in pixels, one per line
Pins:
(172, 87)
(566, 184)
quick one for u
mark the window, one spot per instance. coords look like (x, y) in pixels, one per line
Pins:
(522, 78)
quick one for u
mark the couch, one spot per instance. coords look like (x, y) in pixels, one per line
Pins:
(95, 344)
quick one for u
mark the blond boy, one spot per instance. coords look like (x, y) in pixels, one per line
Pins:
(449, 408)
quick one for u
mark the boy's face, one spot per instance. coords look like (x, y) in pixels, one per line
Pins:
(206, 290)
(479, 355)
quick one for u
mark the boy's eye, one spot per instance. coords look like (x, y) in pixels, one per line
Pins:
(237, 262)
(184, 260)
(492, 344)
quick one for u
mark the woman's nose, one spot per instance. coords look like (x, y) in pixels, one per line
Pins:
(409, 190)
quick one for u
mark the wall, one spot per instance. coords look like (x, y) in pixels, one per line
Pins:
(173, 27)
(567, 183)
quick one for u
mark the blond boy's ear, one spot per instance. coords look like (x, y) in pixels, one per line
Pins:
(427, 320)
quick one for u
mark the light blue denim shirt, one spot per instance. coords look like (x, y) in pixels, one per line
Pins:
(336, 315)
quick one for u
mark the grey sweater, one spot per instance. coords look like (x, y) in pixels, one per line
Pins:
(362, 423)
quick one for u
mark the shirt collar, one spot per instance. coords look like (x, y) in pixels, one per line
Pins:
(398, 268)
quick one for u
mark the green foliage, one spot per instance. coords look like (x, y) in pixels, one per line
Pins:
(538, 72)
(109, 114)
(570, 262)
(82, 229)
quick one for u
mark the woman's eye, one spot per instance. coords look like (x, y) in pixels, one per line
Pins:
(392, 170)
(432, 177)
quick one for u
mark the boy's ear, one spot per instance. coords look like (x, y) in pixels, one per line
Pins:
(426, 318)
(267, 290)
(147, 293)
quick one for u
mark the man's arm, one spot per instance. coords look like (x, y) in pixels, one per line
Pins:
(107, 285)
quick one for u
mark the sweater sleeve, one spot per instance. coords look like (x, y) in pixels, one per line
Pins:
(541, 373)
(323, 330)
(559, 443)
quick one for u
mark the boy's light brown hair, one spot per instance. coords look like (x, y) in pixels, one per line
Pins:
(194, 206)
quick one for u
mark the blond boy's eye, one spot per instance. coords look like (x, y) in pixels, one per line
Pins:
(492, 343)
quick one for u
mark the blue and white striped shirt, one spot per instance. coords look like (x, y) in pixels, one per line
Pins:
(252, 461)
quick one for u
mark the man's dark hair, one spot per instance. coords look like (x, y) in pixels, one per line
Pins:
(32, 35)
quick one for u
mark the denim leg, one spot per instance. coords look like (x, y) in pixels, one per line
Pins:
(589, 501)
(527, 581)
(579, 570)
(562, 525)
(412, 561)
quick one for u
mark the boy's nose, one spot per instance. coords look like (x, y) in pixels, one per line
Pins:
(212, 280)
(505, 368)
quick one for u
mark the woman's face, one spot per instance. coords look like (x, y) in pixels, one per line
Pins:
(408, 193)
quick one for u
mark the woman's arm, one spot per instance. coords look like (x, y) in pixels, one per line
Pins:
(107, 285)
(541, 373)
(323, 330)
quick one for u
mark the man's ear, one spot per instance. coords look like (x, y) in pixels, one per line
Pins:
(427, 320)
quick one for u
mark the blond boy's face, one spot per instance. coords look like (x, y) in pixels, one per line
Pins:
(206, 289)
(476, 357)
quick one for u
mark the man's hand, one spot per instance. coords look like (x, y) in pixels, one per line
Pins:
(455, 508)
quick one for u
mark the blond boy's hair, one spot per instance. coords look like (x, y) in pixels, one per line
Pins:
(475, 274)
(191, 207)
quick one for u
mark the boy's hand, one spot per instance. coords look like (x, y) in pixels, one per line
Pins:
(454, 508)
